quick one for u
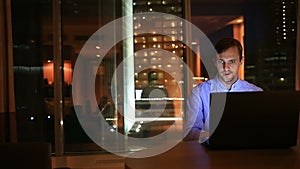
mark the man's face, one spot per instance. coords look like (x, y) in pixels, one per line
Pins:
(228, 64)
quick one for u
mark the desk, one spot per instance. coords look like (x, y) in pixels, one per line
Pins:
(192, 155)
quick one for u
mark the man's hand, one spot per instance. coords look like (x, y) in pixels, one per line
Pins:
(204, 135)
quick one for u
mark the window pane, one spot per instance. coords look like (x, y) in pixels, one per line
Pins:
(29, 18)
(34, 68)
(158, 70)
(94, 14)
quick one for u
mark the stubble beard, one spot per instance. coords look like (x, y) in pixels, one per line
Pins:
(228, 79)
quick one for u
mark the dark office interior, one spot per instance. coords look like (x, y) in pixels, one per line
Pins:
(41, 41)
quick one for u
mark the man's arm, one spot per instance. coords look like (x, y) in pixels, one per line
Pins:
(193, 117)
(193, 134)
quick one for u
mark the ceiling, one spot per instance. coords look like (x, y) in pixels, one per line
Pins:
(209, 24)
(213, 15)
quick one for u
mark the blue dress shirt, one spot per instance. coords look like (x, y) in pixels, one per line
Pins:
(199, 101)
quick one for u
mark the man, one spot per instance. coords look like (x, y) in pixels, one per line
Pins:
(227, 61)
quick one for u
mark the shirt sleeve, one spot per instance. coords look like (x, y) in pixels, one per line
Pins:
(194, 116)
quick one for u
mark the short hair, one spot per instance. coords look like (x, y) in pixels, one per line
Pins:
(227, 43)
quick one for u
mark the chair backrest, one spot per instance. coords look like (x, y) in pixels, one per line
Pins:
(35, 155)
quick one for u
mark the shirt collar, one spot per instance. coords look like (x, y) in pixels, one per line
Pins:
(233, 86)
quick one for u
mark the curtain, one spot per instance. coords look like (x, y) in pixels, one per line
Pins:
(8, 130)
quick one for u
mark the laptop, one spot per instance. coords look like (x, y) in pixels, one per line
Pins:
(240, 120)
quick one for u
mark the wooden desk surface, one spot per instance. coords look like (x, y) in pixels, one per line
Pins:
(192, 155)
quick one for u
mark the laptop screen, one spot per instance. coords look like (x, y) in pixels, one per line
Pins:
(254, 119)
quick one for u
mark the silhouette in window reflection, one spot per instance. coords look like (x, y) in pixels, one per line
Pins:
(157, 95)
